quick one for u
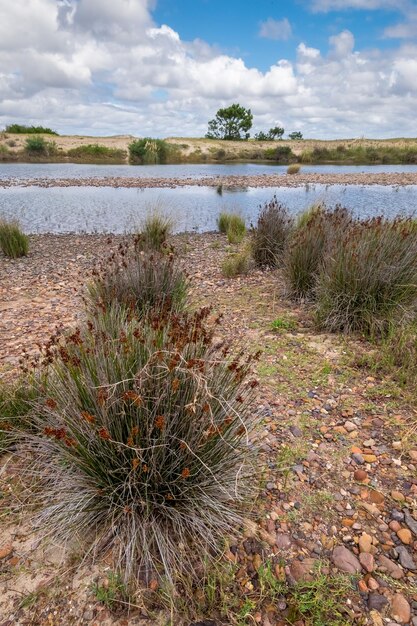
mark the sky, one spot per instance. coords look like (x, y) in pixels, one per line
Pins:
(327, 68)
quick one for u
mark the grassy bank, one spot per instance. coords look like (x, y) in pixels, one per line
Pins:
(79, 149)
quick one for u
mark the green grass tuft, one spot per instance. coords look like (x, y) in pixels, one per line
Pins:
(13, 242)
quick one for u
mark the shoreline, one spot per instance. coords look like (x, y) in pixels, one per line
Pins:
(263, 180)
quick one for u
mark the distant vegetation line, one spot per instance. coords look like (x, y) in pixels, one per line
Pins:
(39, 147)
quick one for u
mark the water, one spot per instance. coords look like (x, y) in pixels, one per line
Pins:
(119, 210)
(75, 170)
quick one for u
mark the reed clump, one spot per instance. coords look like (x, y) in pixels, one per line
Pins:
(13, 242)
(144, 444)
(269, 236)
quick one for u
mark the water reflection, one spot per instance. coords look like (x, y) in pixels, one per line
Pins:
(118, 210)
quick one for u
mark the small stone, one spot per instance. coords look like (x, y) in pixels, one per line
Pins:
(405, 535)
(283, 541)
(345, 561)
(405, 557)
(410, 521)
(360, 475)
(413, 455)
(303, 570)
(373, 584)
(376, 497)
(367, 561)
(365, 542)
(358, 458)
(295, 431)
(395, 526)
(397, 496)
(400, 609)
(257, 561)
(6, 550)
(376, 602)
(390, 567)
(350, 426)
(369, 458)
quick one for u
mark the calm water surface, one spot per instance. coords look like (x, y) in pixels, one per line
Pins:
(119, 210)
(74, 170)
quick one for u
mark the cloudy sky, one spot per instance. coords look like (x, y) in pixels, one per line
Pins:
(330, 68)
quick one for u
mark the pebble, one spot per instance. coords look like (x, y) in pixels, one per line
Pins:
(405, 558)
(303, 570)
(350, 426)
(360, 475)
(365, 542)
(367, 561)
(6, 550)
(410, 521)
(377, 602)
(400, 609)
(345, 561)
(405, 535)
(390, 567)
(397, 496)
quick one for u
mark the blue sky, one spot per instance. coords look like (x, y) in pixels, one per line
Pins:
(234, 26)
(330, 68)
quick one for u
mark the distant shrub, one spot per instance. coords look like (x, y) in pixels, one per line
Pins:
(145, 444)
(237, 264)
(13, 242)
(220, 154)
(369, 280)
(154, 232)
(4, 152)
(37, 146)
(269, 237)
(29, 130)
(280, 154)
(236, 229)
(97, 152)
(294, 168)
(316, 230)
(149, 151)
(139, 282)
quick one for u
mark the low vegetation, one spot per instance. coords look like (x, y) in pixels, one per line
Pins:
(233, 226)
(138, 281)
(154, 232)
(22, 129)
(237, 263)
(269, 237)
(13, 242)
(96, 152)
(149, 151)
(144, 438)
(294, 168)
(37, 146)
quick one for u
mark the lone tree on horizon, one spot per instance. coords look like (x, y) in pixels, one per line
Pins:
(233, 122)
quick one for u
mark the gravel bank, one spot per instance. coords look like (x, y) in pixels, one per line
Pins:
(264, 180)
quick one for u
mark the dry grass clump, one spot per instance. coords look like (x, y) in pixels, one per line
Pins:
(237, 264)
(369, 278)
(154, 233)
(294, 168)
(144, 443)
(269, 237)
(232, 225)
(139, 281)
(315, 232)
(13, 242)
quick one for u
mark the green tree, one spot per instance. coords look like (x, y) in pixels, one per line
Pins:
(233, 122)
(276, 132)
(273, 133)
(296, 135)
